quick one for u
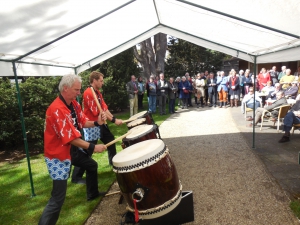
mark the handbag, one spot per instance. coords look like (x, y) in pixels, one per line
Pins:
(185, 91)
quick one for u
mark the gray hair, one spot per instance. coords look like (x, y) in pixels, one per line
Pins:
(68, 80)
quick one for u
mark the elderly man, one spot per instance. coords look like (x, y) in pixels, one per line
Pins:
(282, 73)
(212, 90)
(292, 91)
(287, 80)
(249, 100)
(172, 95)
(281, 100)
(63, 146)
(272, 94)
(162, 93)
(292, 117)
(132, 90)
(274, 75)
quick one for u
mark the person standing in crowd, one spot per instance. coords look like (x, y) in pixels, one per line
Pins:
(172, 95)
(242, 79)
(132, 90)
(63, 146)
(199, 84)
(234, 89)
(92, 135)
(191, 91)
(206, 75)
(177, 81)
(212, 90)
(151, 93)
(280, 100)
(184, 87)
(162, 93)
(141, 91)
(287, 80)
(274, 75)
(282, 73)
(297, 74)
(247, 81)
(222, 82)
(263, 78)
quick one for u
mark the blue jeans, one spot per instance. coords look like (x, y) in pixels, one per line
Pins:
(171, 105)
(289, 120)
(152, 103)
(250, 105)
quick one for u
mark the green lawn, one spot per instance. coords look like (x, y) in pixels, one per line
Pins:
(18, 207)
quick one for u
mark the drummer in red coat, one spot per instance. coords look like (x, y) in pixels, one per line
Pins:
(91, 111)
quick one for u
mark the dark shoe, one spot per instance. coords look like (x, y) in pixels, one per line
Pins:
(215, 106)
(249, 119)
(96, 196)
(79, 181)
(284, 139)
(210, 106)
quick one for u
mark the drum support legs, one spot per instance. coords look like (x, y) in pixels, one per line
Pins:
(183, 213)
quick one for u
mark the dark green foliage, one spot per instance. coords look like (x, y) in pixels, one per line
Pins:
(38, 93)
(188, 57)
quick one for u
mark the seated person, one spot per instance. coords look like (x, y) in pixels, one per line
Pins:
(272, 94)
(292, 117)
(292, 91)
(287, 79)
(268, 88)
(249, 100)
(281, 100)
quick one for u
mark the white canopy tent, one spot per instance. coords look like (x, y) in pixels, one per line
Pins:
(57, 37)
(46, 38)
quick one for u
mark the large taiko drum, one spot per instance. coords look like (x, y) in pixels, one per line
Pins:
(144, 114)
(140, 133)
(146, 173)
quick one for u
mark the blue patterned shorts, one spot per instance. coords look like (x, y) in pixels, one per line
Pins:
(91, 134)
(58, 170)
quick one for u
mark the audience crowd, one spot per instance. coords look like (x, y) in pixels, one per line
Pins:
(207, 89)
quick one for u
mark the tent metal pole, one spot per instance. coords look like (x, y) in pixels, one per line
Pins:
(254, 88)
(240, 19)
(23, 128)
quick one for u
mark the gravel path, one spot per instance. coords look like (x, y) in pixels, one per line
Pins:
(229, 183)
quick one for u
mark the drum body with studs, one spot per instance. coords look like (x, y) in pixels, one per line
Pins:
(140, 133)
(146, 173)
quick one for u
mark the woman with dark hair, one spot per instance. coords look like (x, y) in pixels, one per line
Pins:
(141, 91)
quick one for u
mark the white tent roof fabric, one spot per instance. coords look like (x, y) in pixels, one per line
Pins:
(50, 38)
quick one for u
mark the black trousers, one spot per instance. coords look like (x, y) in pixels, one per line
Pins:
(140, 101)
(52, 210)
(58, 194)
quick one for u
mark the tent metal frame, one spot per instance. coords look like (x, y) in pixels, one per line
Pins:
(19, 59)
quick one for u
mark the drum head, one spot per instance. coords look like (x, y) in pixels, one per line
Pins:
(136, 122)
(139, 131)
(138, 115)
(138, 153)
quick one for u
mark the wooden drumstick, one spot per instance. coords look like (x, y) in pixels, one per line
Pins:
(129, 120)
(97, 102)
(117, 139)
(113, 193)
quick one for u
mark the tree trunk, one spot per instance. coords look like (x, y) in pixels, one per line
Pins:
(152, 58)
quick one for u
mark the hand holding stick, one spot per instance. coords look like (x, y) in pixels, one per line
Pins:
(97, 102)
(117, 139)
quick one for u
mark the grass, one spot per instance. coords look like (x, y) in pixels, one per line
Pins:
(17, 206)
(295, 206)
